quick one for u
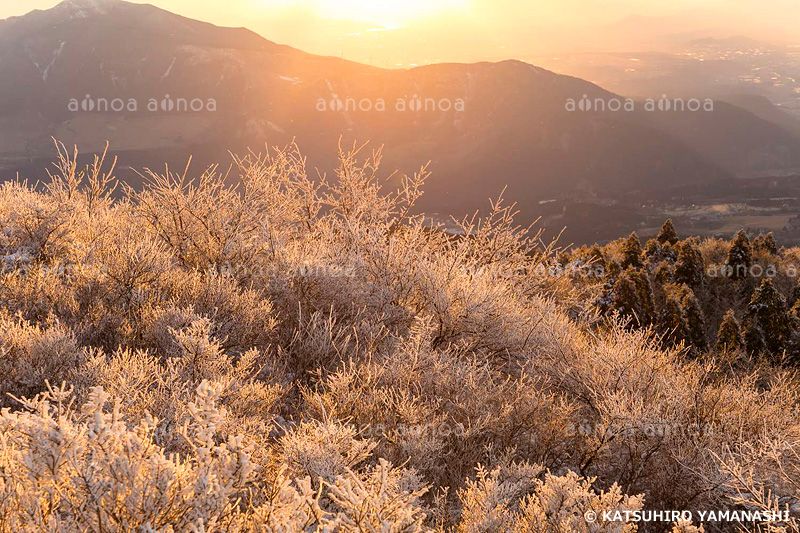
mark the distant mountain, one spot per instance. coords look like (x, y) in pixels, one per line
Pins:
(745, 142)
(482, 126)
(763, 108)
(699, 25)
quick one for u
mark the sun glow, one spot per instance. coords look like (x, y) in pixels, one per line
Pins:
(382, 12)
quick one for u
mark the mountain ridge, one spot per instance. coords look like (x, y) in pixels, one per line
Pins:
(513, 129)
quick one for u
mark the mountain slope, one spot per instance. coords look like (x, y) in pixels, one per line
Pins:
(763, 108)
(511, 127)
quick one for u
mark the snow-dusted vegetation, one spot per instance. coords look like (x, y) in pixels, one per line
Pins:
(296, 354)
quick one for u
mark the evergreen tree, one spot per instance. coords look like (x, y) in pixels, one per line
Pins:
(793, 346)
(672, 321)
(682, 320)
(767, 310)
(729, 335)
(665, 273)
(614, 270)
(794, 296)
(695, 321)
(644, 292)
(794, 311)
(766, 243)
(740, 257)
(689, 268)
(752, 337)
(632, 252)
(667, 233)
(758, 242)
(624, 298)
(596, 261)
(633, 297)
(652, 249)
(596, 256)
(770, 245)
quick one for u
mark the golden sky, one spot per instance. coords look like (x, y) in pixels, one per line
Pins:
(406, 32)
(392, 12)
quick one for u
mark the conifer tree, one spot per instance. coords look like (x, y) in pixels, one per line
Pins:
(595, 261)
(794, 296)
(758, 242)
(740, 257)
(672, 322)
(766, 243)
(752, 337)
(793, 347)
(695, 321)
(769, 243)
(794, 311)
(625, 299)
(681, 318)
(665, 273)
(793, 344)
(652, 249)
(644, 292)
(729, 335)
(632, 252)
(614, 270)
(633, 297)
(668, 233)
(689, 268)
(596, 256)
(767, 310)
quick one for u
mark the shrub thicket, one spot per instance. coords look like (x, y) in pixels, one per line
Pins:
(290, 354)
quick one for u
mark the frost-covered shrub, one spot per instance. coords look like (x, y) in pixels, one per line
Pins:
(297, 354)
(76, 469)
(513, 498)
(38, 295)
(441, 412)
(243, 318)
(164, 386)
(762, 476)
(323, 451)
(653, 423)
(70, 468)
(32, 225)
(31, 355)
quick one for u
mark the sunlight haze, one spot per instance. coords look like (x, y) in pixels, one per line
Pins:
(390, 33)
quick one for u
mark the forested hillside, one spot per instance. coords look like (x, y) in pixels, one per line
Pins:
(736, 297)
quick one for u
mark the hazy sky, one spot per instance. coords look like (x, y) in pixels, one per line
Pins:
(402, 32)
(391, 12)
